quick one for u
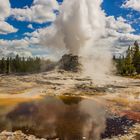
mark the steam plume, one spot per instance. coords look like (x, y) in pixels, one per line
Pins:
(79, 29)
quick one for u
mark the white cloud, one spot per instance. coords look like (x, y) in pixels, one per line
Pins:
(10, 48)
(30, 26)
(119, 34)
(13, 44)
(134, 4)
(11, 53)
(21, 53)
(6, 28)
(41, 11)
(119, 25)
(5, 9)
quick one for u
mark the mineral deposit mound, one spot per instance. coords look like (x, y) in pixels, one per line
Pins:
(70, 62)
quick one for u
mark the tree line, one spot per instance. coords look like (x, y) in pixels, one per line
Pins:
(24, 65)
(130, 63)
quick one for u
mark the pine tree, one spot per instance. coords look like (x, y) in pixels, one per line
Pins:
(130, 69)
(8, 66)
(3, 65)
(136, 57)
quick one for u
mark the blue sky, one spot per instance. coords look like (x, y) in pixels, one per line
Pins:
(21, 25)
(114, 8)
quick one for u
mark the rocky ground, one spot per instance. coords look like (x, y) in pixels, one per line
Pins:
(134, 134)
(120, 95)
(18, 135)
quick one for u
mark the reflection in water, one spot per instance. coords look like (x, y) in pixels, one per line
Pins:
(67, 118)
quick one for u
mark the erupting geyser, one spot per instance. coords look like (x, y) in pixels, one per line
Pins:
(79, 29)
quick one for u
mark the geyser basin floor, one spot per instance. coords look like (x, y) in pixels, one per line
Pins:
(121, 96)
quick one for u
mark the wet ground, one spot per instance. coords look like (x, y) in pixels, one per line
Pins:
(67, 118)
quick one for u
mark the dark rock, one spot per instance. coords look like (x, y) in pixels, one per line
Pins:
(69, 62)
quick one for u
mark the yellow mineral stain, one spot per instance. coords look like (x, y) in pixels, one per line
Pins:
(14, 101)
